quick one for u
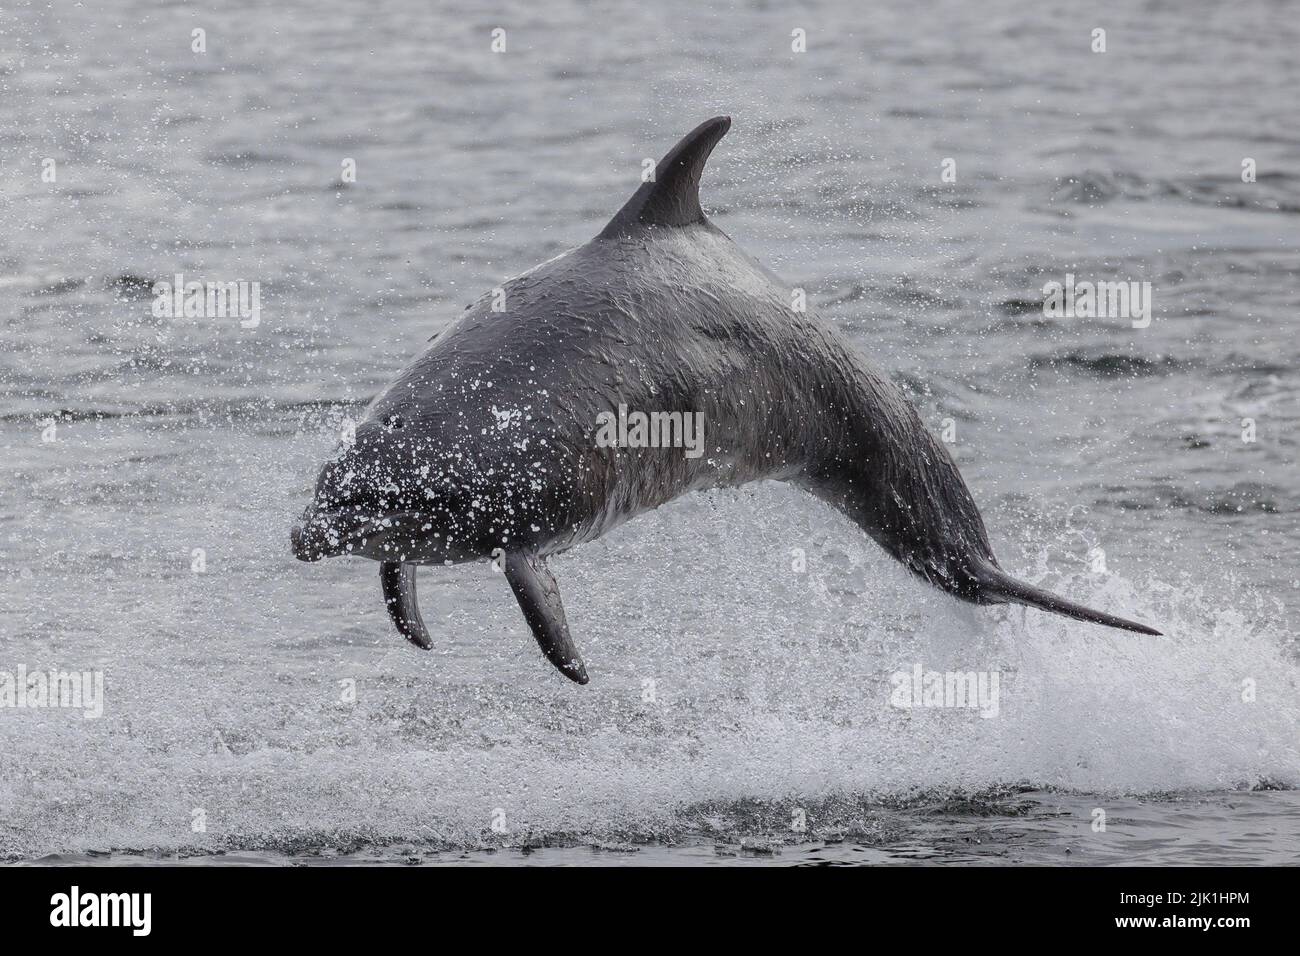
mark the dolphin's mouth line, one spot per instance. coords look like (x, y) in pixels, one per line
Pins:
(335, 532)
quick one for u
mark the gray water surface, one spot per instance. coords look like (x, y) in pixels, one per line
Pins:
(741, 644)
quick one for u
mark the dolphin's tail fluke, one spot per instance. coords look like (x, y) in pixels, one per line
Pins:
(998, 587)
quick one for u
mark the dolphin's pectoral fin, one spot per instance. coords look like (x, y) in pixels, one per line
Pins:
(539, 598)
(398, 580)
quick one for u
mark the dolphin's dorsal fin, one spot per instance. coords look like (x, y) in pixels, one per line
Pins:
(672, 198)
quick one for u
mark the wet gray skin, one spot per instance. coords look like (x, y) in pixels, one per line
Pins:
(487, 445)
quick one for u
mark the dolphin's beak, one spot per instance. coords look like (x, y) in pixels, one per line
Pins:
(316, 535)
(300, 541)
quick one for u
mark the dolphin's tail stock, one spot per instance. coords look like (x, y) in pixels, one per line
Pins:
(995, 586)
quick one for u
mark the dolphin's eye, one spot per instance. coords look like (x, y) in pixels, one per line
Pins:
(394, 422)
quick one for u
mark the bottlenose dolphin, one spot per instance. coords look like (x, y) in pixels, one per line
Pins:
(490, 444)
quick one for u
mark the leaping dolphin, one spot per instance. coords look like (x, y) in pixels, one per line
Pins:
(489, 445)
